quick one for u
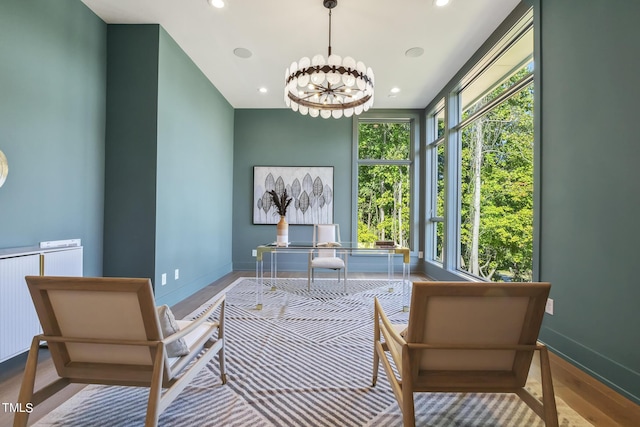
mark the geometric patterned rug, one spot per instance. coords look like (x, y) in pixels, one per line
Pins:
(305, 359)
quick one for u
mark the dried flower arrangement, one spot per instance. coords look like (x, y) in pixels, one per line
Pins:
(281, 202)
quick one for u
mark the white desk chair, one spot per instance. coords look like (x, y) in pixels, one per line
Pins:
(326, 236)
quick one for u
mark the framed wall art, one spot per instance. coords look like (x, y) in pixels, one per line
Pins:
(310, 187)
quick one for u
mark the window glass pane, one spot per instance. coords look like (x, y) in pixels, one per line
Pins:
(440, 124)
(496, 191)
(439, 203)
(436, 126)
(388, 141)
(383, 203)
(440, 181)
(439, 241)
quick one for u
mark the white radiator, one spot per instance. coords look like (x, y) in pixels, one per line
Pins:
(18, 319)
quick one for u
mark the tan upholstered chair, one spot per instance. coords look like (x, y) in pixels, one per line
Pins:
(326, 237)
(107, 331)
(466, 337)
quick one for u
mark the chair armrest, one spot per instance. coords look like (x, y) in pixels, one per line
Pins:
(198, 321)
(386, 326)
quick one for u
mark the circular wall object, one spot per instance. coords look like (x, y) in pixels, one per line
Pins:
(4, 168)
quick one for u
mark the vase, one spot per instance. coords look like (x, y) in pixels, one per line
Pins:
(283, 232)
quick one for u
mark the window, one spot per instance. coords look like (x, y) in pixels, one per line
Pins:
(496, 215)
(384, 180)
(481, 164)
(435, 220)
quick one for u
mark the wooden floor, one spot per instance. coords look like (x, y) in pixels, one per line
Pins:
(595, 402)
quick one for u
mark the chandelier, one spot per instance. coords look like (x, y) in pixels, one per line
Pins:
(330, 87)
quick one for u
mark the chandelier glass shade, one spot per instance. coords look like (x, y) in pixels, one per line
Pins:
(329, 87)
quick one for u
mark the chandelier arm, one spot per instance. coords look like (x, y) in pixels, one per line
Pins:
(311, 95)
(313, 86)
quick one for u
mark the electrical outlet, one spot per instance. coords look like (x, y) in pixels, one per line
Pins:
(549, 307)
(420, 254)
(254, 253)
(176, 274)
(164, 279)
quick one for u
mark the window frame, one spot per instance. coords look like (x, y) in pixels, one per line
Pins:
(396, 116)
(432, 219)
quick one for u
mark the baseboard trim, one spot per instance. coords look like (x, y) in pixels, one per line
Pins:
(613, 404)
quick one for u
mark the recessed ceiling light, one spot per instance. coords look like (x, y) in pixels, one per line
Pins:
(241, 52)
(414, 52)
(262, 90)
(441, 2)
(395, 89)
(216, 3)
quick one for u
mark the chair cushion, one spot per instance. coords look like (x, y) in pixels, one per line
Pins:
(169, 326)
(327, 262)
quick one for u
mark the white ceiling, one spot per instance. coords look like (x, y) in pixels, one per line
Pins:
(278, 32)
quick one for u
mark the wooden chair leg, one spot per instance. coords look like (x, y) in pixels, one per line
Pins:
(28, 383)
(376, 364)
(222, 361)
(155, 391)
(548, 396)
(408, 412)
(376, 340)
(407, 404)
(221, 353)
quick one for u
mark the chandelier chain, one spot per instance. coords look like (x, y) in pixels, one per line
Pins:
(329, 32)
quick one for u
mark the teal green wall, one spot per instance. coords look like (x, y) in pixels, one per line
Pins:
(285, 138)
(52, 121)
(194, 177)
(589, 194)
(168, 166)
(130, 158)
(113, 136)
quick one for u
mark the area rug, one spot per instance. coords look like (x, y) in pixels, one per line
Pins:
(305, 359)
